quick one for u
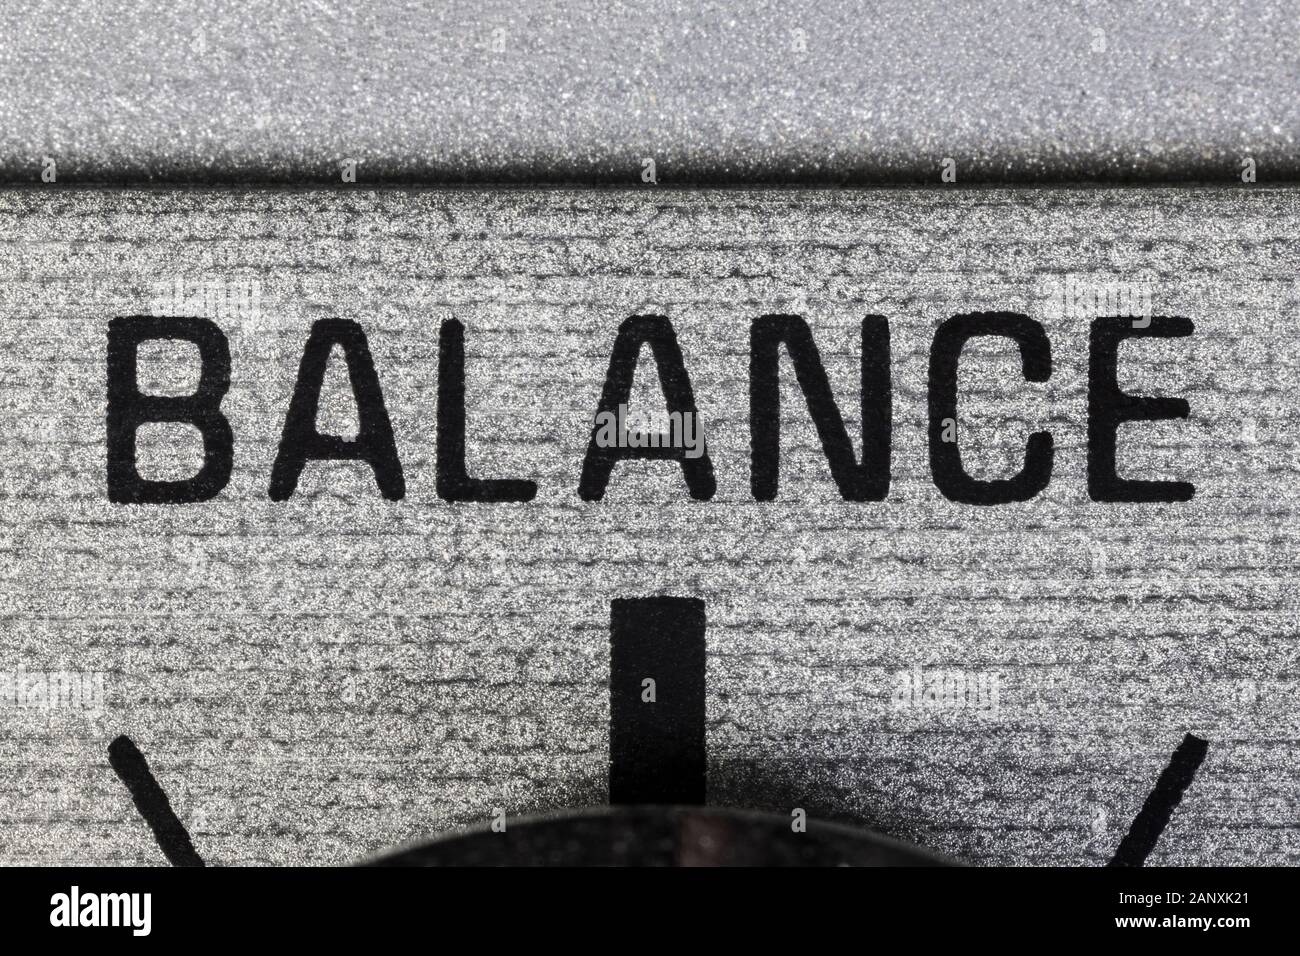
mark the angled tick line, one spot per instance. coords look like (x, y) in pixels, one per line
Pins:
(129, 764)
(1168, 793)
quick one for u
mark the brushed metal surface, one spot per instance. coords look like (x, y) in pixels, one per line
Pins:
(322, 679)
(866, 90)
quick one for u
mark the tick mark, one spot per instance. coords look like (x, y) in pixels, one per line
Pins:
(129, 764)
(656, 701)
(1168, 793)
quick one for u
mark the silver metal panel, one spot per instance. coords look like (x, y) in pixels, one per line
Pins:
(484, 89)
(317, 680)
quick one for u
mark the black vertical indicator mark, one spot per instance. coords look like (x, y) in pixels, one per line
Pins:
(1168, 793)
(129, 764)
(656, 700)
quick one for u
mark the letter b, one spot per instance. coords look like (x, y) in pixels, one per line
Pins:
(128, 409)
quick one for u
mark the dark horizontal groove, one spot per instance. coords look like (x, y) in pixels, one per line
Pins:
(1220, 172)
(308, 183)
